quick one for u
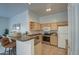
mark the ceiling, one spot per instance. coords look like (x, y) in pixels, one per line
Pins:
(40, 8)
(11, 9)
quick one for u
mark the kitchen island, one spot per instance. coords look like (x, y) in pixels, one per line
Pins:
(29, 45)
(25, 47)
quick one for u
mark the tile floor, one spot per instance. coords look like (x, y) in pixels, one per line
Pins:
(48, 50)
(52, 50)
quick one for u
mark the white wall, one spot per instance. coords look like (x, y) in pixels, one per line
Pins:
(73, 19)
(24, 18)
(70, 35)
(58, 17)
(21, 18)
(15, 8)
(4, 23)
(10, 10)
(3, 11)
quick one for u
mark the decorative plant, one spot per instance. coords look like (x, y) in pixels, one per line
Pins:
(6, 32)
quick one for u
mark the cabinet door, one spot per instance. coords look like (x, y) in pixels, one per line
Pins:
(34, 26)
(38, 49)
(45, 25)
(37, 26)
(31, 25)
(54, 40)
(54, 26)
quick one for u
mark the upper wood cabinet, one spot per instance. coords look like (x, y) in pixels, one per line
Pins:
(34, 26)
(54, 26)
(45, 25)
(38, 26)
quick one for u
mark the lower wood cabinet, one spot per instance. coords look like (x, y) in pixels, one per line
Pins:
(53, 40)
(38, 49)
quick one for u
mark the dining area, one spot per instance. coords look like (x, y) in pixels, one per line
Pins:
(7, 45)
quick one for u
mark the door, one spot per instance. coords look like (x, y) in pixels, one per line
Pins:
(62, 36)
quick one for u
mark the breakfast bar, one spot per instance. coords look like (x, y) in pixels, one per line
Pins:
(25, 44)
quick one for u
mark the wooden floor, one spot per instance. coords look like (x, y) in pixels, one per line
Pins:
(52, 50)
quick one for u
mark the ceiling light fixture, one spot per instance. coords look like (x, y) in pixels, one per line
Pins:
(48, 9)
(29, 2)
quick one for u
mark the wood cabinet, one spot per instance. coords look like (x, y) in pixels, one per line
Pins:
(38, 27)
(38, 49)
(31, 25)
(34, 26)
(54, 39)
(45, 25)
(54, 26)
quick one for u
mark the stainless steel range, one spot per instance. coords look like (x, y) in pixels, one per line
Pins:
(46, 36)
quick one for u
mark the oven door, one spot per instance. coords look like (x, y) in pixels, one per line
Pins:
(46, 38)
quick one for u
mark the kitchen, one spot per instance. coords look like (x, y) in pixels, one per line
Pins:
(50, 34)
(40, 25)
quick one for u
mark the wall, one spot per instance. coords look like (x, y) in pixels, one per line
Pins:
(58, 17)
(21, 18)
(4, 23)
(62, 36)
(10, 10)
(15, 8)
(73, 21)
(22, 15)
(3, 11)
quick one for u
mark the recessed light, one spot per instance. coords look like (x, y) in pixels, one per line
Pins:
(49, 9)
(29, 3)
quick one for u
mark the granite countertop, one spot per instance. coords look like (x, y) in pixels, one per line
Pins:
(36, 41)
(25, 37)
(29, 37)
(34, 34)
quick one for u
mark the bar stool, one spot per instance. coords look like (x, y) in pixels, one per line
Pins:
(66, 48)
(8, 45)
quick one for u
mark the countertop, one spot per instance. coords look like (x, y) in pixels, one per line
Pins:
(31, 36)
(35, 41)
(34, 34)
(28, 37)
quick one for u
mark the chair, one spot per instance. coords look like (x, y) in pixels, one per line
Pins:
(0, 37)
(66, 47)
(2, 49)
(7, 44)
